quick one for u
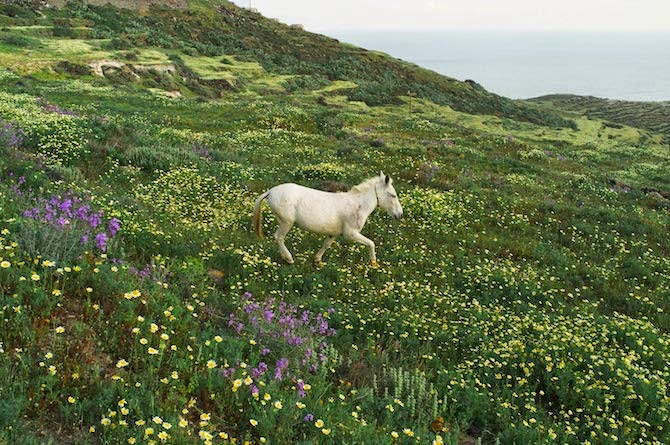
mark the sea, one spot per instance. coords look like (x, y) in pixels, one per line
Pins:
(616, 65)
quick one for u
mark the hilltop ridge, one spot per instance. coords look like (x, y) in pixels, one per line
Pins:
(222, 28)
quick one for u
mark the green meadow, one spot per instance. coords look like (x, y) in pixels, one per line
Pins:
(524, 298)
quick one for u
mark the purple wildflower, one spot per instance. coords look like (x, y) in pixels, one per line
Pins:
(114, 226)
(280, 367)
(260, 370)
(32, 213)
(65, 206)
(95, 220)
(101, 241)
(49, 213)
(82, 212)
(237, 325)
(227, 372)
(300, 386)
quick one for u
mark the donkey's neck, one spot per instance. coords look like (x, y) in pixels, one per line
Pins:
(368, 201)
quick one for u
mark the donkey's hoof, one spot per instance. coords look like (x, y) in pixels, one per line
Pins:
(289, 260)
(374, 264)
(318, 262)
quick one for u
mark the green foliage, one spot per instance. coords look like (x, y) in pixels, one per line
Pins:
(67, 67)
(305, 83)
(56, 134)
(322, 171)
(375, 93)
(151, 159)
(63, 31)
(18, 40)
(25, 9)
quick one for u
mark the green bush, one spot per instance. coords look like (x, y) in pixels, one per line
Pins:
(18, 40)
(375, 93)
(63, 31)
(322, 171)
(308, 83)
(153, 158)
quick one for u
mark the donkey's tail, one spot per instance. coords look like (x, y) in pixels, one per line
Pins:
(256, 222)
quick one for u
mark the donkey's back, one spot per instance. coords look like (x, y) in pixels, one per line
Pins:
(310, 209)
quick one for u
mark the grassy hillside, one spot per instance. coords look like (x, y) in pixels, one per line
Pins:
(653, 116)
(220, 28)
(524, 298)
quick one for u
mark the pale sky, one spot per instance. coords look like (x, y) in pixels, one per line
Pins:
(322, 15)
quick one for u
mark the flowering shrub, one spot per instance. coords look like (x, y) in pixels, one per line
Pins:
(66, 226)
(286, 117)
(534, 154)
(61, 136)
(196, 199)
(323, 171)
(272, 354)
(288, 344)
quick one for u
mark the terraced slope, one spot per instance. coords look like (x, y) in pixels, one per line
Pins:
(654, 116)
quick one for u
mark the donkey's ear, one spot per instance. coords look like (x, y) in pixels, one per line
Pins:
(388, 179)
(381, 173)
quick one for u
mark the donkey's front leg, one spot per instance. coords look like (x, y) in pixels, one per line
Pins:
(326, 244)
(356, 236)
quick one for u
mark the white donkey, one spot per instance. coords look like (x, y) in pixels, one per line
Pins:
(325, 213)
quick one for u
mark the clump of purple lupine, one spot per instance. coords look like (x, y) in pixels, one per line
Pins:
(289, 342)
(51, 108)
(202, 151)
(73, 212)
(11, 135)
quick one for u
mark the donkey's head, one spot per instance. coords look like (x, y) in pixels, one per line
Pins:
(387, 196)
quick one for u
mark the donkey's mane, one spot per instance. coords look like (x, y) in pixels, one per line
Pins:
(365, 185)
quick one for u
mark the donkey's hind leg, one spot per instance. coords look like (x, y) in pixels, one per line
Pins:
(280, 235)
(326, 244)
